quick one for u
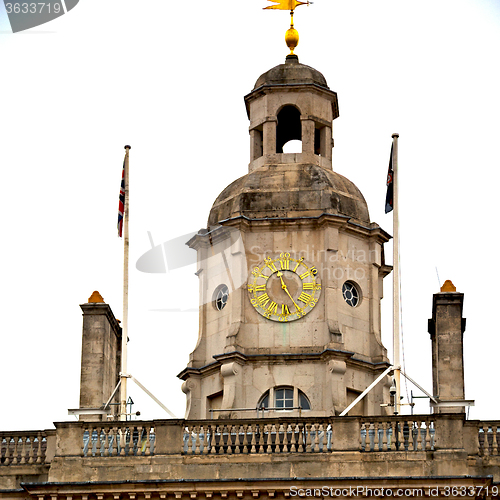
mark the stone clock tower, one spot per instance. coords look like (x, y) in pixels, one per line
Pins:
(290, 271)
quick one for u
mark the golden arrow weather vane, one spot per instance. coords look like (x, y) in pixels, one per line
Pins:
(292, 35)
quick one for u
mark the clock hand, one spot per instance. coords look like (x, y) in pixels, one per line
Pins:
(283, 285)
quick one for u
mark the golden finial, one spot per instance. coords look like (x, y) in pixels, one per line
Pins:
(292, 35)
(448, 286)
(96, 298)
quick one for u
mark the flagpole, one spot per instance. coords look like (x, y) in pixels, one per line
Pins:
(396, 283)
(123, 373)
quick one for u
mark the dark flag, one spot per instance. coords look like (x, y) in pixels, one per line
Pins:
(389, 205)
(121, 203)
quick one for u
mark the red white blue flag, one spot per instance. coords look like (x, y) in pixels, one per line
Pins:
(389, 201)
(121, 203)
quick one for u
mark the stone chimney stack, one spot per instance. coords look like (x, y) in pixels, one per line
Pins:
(101, 357)
(446, 329)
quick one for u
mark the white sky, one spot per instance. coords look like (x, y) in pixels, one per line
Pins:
(169, 79)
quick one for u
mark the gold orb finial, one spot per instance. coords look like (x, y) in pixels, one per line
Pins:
(291, 36)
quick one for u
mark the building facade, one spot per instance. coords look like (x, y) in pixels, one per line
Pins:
(291, 276)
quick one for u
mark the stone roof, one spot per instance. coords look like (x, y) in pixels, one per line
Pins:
(292, 72)
(289, 190)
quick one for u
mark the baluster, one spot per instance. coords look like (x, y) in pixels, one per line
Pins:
(376, 438)
(363, 436)
(148, 440)
(360, 437)
(108, 441)
(96, 444)
(31, 450)
(213, 442)
(252, 442)
(315, 439)
(307, 435)
(123, 440)
(82, 453)
(114, 432)
(130, 451)
(267, 438)
(229, 441)
(424, 429)
(322, 437)
(7, 451)
(274, 435)
(285, 437)
(260, 428)
(486, 441)
(410, 436)
(153, 440)
(239, 439)
(245, 439)
(222, 439)
(14, 454)
(104, 436)
(197, 439)
(399, 435)
(206, 430)
(189, 450)
(480, 433)
(300, 448)
(494, 444)
(293, 437)
(384, 436)
(419, 435)
(23, 449)
(141, 443)
(392, 426)
(235, 438)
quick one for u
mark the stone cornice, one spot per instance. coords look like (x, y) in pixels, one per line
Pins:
(309, 354)
(269, 88)
(343, 222)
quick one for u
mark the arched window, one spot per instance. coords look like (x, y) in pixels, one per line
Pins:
(284, 398)
(288, 127)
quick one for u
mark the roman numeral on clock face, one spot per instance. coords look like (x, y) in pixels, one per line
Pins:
(308, 286)
(285, 264)
(284, 309)
(273, 308)
(263, 299)
(304, 297)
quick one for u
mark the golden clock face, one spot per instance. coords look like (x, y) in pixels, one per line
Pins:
(284, 289)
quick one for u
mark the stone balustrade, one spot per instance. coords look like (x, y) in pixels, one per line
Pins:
(27, 447)
(220, 437)
(488, 438)
(108, 439)
(251, 436)
(400, 433)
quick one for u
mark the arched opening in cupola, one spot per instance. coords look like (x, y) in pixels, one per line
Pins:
(288, 127)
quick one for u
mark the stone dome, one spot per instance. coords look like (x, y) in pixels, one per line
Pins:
(291, 73)
(288, 191)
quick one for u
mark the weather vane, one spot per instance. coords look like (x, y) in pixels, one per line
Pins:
(292, 35)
